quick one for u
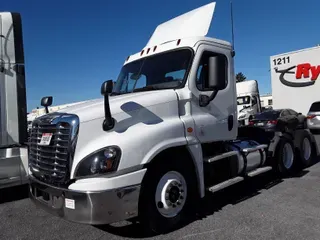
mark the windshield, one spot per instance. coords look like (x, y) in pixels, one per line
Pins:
(243, 100)
(161, 71)
(315, 107)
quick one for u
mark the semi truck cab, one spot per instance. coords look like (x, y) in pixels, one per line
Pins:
(163, 137)
(248, 100)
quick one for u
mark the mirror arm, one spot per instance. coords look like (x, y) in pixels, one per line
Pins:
(213, 95)
(204, 100)
(108, 122)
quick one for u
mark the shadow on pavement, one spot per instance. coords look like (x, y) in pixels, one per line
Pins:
(13, 193)
(212, 203)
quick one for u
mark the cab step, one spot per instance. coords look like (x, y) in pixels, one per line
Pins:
(220, 156)
(259, 171)
(225, 184)
(235, 180)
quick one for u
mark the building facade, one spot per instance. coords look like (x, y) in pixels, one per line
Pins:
(266, 100)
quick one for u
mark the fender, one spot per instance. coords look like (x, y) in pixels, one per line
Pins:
(274, 142)
(192, 152)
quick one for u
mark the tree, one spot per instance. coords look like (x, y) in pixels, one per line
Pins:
(240, 77)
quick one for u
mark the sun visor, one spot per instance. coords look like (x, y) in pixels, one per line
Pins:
(190, 24)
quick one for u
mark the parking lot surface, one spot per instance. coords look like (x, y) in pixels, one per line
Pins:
(263, 208)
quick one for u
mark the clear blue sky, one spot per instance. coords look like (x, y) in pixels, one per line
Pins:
(71, 47)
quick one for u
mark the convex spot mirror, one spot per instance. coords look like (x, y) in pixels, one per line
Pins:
(46, 101)
(107, 87)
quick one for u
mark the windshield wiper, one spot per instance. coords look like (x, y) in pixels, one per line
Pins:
(116, 93)
(146, 88)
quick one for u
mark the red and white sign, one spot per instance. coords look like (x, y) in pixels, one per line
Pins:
(295, 79)
(45, 139)
(306, 70)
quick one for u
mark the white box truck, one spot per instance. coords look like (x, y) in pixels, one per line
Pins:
(165, 136)
(295, 79)
(13, 107)
(248, 100)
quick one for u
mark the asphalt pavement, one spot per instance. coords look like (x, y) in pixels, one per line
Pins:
(263, 208)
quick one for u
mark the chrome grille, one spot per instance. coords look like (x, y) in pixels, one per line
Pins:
(51, 163)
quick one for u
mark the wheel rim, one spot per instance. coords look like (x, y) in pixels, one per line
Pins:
(306, 148)
(171, 194)
(287, 156)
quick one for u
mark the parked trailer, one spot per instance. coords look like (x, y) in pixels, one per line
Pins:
(165, 137)
(13, 114)
(294, 79)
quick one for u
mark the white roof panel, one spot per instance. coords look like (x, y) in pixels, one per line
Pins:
(190, 24)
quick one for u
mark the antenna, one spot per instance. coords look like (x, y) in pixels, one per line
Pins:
(232, 31)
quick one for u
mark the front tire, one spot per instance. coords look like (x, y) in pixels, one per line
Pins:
(167, 195)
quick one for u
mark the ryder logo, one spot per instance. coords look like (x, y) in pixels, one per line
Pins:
(303, 71)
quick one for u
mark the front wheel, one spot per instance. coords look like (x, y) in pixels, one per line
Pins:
(166, 197)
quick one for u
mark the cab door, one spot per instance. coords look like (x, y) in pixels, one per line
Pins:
(217, 120)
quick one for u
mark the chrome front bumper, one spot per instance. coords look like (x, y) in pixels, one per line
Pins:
(102, 207)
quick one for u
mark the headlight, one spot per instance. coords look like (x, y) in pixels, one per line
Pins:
(100, 162)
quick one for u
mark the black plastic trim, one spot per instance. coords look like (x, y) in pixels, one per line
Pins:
(20, 75)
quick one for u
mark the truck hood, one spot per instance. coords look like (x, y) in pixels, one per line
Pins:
(94, 109)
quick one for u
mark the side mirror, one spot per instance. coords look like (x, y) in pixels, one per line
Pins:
(216, 78)
(46, 102)
(106, 87)
(217, 72)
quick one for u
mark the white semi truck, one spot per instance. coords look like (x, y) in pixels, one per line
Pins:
(295, 79)
(165, 136)
(13, 108)
(248, 100)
